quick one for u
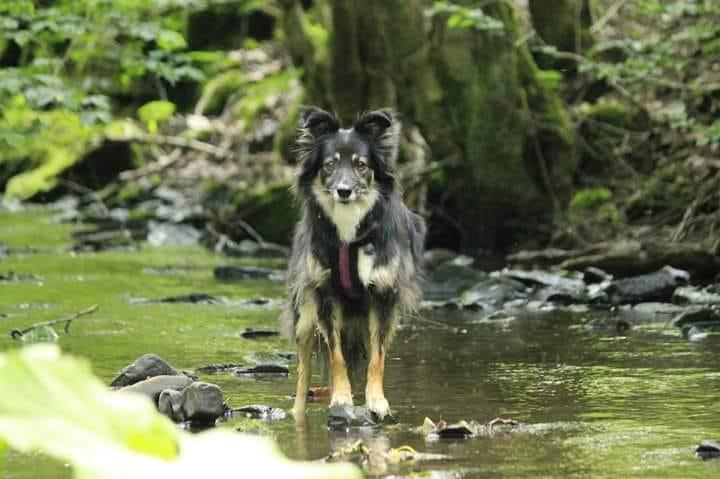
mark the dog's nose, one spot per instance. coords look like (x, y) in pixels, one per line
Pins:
(344, 193)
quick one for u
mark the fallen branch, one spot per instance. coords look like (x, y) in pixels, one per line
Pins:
(180, 142)
(19, 333)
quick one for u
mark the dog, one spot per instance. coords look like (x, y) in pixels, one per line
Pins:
(356, 262)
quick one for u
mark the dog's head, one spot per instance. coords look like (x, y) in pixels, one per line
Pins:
(346, 165)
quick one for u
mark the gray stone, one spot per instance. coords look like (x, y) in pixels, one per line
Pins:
(693, 295)
(450, 279)
(168, 234)
(650, 312)
(657, 286)
(342, 417)
(203, 402)
(170, 403)
(146, 366)
(493, 293)
(153, 386)
(436, 256)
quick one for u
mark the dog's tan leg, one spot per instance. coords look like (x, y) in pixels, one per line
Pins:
(304, 336)
(374, 393)
(341, 389)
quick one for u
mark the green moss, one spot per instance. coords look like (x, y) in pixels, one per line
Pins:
(54, 141)
(666, 188)
(589, 198)
(218, 91)
(609, 112)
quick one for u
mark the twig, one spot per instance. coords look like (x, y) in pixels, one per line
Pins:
(611, 12)
(17, 334)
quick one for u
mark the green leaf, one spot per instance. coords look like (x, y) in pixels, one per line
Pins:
(170, 41)
(52, 403)
(155, 112)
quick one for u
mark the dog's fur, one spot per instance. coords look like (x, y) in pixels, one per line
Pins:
(355, 267)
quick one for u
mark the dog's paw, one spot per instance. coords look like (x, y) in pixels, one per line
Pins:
(341, 400)
(379, 407)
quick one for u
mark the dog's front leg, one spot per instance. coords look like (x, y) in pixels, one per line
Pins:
(340, 383)
(374, 393)
(304, 336)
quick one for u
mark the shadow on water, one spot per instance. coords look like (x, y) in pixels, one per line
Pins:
(594, 403)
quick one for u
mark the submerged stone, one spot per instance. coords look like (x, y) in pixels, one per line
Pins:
(708, 450)
(694, 295)
(262, 370)
(242, 273)
(146, 366)
(251, 333)
(259, 411)
(342, 417)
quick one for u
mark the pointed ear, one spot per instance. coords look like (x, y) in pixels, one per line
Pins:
(317, 122)
(384, 130)
(375, 123)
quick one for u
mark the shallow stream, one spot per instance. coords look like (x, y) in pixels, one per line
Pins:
(594, 403)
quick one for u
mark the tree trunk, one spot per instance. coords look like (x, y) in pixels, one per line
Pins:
(504, 139)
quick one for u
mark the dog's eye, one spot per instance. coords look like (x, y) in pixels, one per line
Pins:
(361, 166)
(329, 164)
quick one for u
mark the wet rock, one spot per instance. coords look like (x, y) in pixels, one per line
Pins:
(259, 411)
(170, 403)
(218, 368)
(650, 312)
(258, 302)
(633, 257)
(271, 357)
(593, 275)
(693, 295)
(554, 287)
(493, 293)
(693, 333)
(241, 273)
(152, 387)
(11, 277)
(436, 256)
(617, 325)
(708, 450)
(449, 280)
(461, 430)
(169, 234)
(657, 286)
(250, 248)
(708, 316)
(203, 403)
(341, 417)
(262, 371)
(100, 239)
(195, 298)
(146, 366)
(251, 333)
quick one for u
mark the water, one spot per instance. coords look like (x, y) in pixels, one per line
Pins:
(595, 404)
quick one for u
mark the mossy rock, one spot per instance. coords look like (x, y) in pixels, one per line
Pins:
(218, 91)
(270, 210)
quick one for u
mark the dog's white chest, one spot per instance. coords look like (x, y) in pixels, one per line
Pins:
(365, 263)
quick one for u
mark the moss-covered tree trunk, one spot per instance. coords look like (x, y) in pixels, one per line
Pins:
(503, 137)
(564, 24)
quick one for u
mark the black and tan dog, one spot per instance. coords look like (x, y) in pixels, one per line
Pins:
(355, 264)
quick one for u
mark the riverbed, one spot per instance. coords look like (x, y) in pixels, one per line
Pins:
(592, 402)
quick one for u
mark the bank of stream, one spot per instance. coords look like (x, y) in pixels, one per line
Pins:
(592, 401)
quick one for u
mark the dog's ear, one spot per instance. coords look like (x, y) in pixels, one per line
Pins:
(384, 130)
(375, 123)
(317, 122)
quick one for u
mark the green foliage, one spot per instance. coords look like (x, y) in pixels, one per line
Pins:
(113, 435)
(595, 203)
(154, 113)
(590, 198)
(256, 95)
(464, 17)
